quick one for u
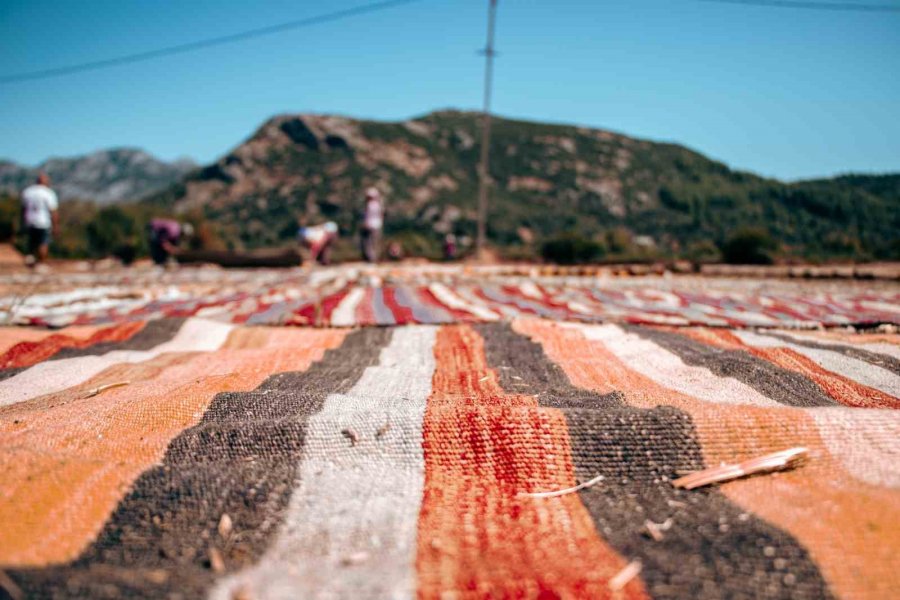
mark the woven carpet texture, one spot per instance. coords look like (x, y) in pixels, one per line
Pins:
(189, 457)
(348, 296)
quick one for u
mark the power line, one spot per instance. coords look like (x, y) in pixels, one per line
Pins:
(350, 12)
(838, 6)
(200, 44)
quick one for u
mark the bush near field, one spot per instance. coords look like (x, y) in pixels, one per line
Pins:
(545, 190)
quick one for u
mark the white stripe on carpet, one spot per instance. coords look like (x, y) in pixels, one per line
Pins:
(668, 370)
(892, 350)
(454, 301)
(852, 368)
(195, 335)
(351, 525)
(344, 314)
(865, 440)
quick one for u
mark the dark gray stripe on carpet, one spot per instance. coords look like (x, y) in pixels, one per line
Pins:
(714, 549)
(783, 386)
(873, 358)
(524, 369)
(240, 460)
(153, 334)
(11, 372)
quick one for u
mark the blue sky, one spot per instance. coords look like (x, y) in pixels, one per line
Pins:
(783, 92)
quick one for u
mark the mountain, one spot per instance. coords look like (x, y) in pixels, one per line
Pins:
(623, 192)
(105, 177)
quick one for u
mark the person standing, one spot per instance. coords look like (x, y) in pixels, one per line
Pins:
(373, 221)
(449, 247)
(39, 216)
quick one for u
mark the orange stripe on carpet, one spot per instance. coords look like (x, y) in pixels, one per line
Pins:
(811, 503)
(478, 537)
(67, 460)
(844, 390)
(27, 353)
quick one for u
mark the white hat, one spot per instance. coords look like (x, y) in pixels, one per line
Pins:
(373, 192)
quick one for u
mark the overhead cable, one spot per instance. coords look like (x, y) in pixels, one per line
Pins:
(201, 44)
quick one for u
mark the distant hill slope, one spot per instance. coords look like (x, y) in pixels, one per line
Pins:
(105, 177)
(548, 179)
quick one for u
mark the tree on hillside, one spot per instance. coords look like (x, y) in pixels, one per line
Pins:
(113, 232)
(572, 249)
(9, 218)
(749, 246)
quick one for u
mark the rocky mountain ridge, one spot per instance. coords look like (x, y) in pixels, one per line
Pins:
(105, 177)
(547, 180)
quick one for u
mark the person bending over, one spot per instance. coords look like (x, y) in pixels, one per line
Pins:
(165, 235)
(318, 240)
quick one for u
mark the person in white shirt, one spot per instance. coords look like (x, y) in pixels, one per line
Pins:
(40, 216)
(318, 239)
(373, 220)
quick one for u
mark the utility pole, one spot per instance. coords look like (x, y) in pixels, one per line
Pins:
(483, 170)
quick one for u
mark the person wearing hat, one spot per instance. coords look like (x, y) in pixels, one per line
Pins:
(373, 221)
(318, 239)
(40, 217)
(165, 235)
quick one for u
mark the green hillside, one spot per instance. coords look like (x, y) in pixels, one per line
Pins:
(614, 196)
(549, 180)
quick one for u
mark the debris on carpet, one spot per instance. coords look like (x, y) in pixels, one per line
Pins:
(516, 456)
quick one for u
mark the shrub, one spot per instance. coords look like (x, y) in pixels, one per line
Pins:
(704, 251)
(749, 246)
(112, 232)
(618, 240)
(671, 199)
(572, 249)
(9, 218)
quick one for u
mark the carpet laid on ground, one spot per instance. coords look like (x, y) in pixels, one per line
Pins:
(188, 458)
(347, 296)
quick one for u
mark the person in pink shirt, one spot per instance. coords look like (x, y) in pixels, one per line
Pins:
(165, 235)
(373, 221)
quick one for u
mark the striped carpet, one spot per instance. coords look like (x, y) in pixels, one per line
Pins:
(185, 457)
(347, 296)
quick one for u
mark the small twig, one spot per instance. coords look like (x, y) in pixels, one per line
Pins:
(621, 579)
(769, 462)
(351, 435)
(18, 301)
(225, 526)
(216, 562)
(355, 559)
(14, 591)
(655, 530)
(383, 430)
(103, 388)
(437, 546)
(570, 490)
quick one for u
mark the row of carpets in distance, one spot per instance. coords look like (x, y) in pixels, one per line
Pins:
(349, 296)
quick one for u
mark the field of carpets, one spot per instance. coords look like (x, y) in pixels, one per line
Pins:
(352, 295)
(188, 457)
